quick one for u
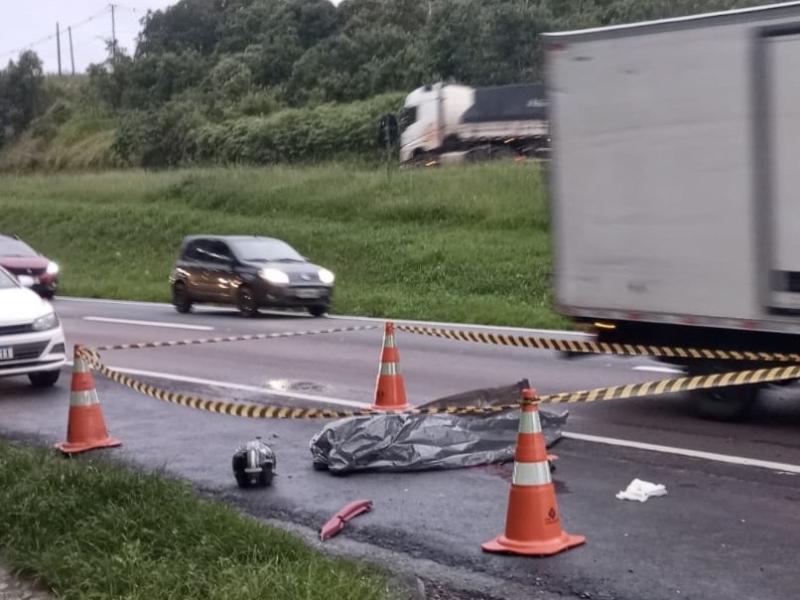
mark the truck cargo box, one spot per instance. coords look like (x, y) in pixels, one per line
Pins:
(508, 103)
(676, 170)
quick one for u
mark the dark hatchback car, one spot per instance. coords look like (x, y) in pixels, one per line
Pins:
(18, 258)
(250, 272)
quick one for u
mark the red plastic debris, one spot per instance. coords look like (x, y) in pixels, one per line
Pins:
(336, 523)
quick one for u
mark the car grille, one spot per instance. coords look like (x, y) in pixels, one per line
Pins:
(302, 278)
(16, 329)
(28, 351)
(26, 271)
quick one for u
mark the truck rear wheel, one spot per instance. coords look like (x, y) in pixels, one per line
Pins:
(726, 404)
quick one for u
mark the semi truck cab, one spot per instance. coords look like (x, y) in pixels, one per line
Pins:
(428, 113)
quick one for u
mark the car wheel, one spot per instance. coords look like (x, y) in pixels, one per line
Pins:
(726, 404)
(43, 379)
(247, 302)
(180, 298)
(318, 310)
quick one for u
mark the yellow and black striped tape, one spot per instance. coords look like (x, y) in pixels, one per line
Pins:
(679, 384)
(260, 411)
(634, 390)
(234, 338)
(591, 347)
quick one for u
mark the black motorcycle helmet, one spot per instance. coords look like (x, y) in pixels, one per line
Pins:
(254, 464)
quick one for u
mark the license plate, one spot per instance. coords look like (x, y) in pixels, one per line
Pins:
(7, 353)
(308, 293)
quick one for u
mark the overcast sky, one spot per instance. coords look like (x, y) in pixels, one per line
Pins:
(32, 23)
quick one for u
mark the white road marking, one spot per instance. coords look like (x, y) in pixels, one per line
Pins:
(725, 458)
(543, 332)
(657, 369)
(554, 332)
(149, 323)
(240, 387)
(104, 301)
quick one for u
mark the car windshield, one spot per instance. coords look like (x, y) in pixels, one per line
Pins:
(10, 247)
(266, 250)
(408, 117)
(6, 281)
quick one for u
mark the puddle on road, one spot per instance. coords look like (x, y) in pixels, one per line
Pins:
(288, 385)
(506, 470)
(315, 388)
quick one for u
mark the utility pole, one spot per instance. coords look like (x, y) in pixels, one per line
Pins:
(71, 53)
(58, 46)
(113, 34)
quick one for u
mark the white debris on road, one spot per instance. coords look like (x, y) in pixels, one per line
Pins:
(642, 491)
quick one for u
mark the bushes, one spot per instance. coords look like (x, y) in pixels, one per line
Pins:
(178, 134)
(159, 138)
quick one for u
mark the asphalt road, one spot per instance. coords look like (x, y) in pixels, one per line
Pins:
(725, 529)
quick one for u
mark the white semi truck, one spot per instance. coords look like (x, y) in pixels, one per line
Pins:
(448, 122)
(675, 184)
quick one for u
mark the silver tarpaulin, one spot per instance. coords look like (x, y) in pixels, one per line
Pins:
(402, 442)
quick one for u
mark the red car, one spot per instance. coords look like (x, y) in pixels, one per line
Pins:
(20, 259)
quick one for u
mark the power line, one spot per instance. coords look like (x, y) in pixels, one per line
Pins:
(51, 37)
(132, 9)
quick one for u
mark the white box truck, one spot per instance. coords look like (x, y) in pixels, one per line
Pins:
(675, 183)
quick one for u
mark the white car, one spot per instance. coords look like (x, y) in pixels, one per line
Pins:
(31, 337)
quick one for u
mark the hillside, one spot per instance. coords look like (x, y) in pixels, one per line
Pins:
(272, 81)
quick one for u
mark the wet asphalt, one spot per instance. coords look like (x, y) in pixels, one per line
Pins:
(723, 530)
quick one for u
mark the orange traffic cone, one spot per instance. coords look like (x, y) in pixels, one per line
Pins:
(533, 525)
(86, 428)
(390, 391)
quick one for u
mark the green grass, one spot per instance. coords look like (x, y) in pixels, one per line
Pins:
(90, 530)
(466, 244)
(82, 143)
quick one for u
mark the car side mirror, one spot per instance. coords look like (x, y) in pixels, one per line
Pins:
(25, 281)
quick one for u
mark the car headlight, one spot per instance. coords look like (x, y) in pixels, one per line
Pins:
(52, 268)
(326, 276)
(49, 321)
(275, 276)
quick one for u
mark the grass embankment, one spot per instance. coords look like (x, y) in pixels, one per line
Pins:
(74, 133)
(90, 530)
(465, 244)
(81, 143)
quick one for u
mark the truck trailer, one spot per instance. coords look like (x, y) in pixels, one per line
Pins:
(675, 184)
(444, 122)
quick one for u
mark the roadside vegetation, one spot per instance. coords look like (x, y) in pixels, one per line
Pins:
(88, 529)
(280, 81)
(466, 244)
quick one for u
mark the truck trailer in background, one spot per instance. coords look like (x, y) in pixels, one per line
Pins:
(675, 184)
(447, 122)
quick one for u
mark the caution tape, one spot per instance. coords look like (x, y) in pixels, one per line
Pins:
(630, 391)
(260, 411)
(679, 384)
(591, 347)
(234, 338)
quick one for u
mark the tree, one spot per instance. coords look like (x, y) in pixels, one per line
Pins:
(357, 65)
(186, 25)
(109, 80)
(21, 93)
(231, 78)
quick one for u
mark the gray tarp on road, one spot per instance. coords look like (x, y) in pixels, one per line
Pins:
(402, 442)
